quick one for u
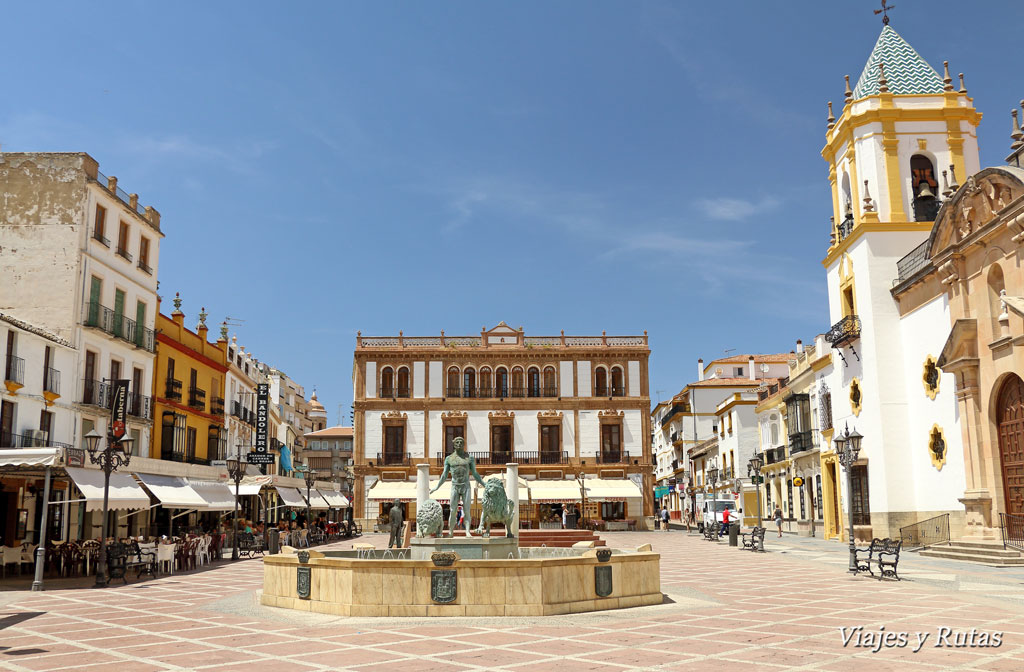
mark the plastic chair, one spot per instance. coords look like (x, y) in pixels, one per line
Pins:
(304, 538)
(165, 554)
(11, 556)
(203, 552)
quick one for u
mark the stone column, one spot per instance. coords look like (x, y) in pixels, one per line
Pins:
(512, 492)
(422, 485)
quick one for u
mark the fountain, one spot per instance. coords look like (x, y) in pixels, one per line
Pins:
(445, 575)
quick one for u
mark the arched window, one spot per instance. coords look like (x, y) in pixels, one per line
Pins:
(550, 386)
(501, 382)
(387, 382)
(453, 381)
(403, 383)
(518, 385)
(485, 382)
(925, 188)
(533, 382)
(847, 196)
(775, 435)
(601, 382)
(996, 285)
(468, 382)
(618, 389)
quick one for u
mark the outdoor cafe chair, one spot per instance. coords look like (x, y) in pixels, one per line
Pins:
(11, 556)
(165, 554)
(203, 551)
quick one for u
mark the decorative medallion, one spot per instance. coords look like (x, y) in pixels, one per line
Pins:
(303, 556)
(549, 415)
(443, 585)
(937, 447)
(454, 415)
(444, 558)
(394, 415)
(856, 396)
(930, 377)
(610, 414)
(503, 414)
(603, 580)
(303, 580)
(604, 554)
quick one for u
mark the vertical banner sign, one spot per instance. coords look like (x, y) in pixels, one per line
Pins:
(260, 454)
(119, 409)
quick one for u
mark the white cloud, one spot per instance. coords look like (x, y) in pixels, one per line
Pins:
(736, 209)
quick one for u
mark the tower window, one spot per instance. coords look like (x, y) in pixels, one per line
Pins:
(925, 188)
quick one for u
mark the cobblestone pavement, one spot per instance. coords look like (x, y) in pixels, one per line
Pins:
(725, 609)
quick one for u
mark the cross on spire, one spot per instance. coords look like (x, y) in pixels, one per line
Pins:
(884, 11)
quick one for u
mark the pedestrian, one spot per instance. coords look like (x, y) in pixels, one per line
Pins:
(686, 519)
(664, 518)
(777, 515)
(565, 516)
(725, 523)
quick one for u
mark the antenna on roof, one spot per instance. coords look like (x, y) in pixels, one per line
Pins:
(728, 350)
(884, 11)
(659, 393)
(233, 321)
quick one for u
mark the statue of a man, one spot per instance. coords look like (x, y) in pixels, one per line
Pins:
(461, 466)
(395, 523)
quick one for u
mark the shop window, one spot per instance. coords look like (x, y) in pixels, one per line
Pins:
(860, 499)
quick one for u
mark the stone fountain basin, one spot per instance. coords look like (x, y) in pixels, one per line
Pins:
(345, 585)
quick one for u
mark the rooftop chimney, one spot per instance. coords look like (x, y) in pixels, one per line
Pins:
(799, 347)
(750, 368)
(700, 369)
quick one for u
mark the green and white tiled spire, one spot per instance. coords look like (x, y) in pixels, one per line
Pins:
(905, 70)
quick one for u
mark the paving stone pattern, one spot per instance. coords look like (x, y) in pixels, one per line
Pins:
(725, 610)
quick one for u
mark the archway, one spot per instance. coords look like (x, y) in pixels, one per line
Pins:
(1010, 416)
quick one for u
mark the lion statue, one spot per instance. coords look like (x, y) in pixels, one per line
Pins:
(496, 508)
(429, 519)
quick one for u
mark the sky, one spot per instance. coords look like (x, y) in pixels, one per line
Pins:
(323, 168)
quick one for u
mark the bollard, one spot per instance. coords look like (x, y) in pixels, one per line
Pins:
(273, 541)
(734, 534)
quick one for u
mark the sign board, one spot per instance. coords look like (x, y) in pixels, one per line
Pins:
(661, 491)
(119, 409)
(259, 454)
(798, 481)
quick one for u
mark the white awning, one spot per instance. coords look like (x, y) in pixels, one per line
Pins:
(218, 496)
(172, 491)
(251, 485)
(290, 496)
(335, 499)
(403, 491)
(317, 501)
(611, 490)
(30, 457)
(124, 492)
(555, 491)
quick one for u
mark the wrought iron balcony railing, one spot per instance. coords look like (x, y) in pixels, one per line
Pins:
(14, 370)
(173, 389)
(197, 398)
(124, 253)
(140, 406)
(393, 459)
(100, 238)
(96, 393)
(217, 405)
(844, 331)
(801, 441)
(29, 440)
(145, 267)
(501, 458)
(119, 326)
(51, 380)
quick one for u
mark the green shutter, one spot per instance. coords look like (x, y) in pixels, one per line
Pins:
(140, 323)
(118, 313)
(94, 301)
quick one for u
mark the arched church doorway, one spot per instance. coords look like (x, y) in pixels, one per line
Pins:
(1010, 416)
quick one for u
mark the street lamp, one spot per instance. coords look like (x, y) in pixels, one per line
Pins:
(116, 453)
(754, 469)
(236, 470)
(713, 480)
(580, 478)
(847, 449)
(310, 477)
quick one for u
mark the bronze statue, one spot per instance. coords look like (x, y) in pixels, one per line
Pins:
(461, 466)
(395, 523)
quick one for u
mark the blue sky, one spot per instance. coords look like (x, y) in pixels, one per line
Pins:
(323, 168)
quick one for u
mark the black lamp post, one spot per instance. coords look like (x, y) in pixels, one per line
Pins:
(310, 478)
(754, 467)
(115, 454)
(236, 470)
(713, 480)
(847, 449)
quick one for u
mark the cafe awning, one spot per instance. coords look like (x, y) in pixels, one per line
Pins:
(251, 485)
(335, 499)
(218, 496)
(612, 490)
(290, 496)
(551, 492)
(172, 491)
(404, 491)
(317, 501)
(30, 457)
(124, 492)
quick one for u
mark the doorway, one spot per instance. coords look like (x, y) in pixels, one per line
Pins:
(1010, 416)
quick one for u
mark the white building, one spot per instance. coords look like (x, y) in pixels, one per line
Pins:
(243, 375)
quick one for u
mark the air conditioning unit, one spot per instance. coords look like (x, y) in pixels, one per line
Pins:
(40, 438)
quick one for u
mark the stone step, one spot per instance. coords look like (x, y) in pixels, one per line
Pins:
(994, 549)
(974, 555)
(978, 543)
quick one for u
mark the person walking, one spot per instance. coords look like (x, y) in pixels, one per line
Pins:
(725, 523)
(777, 515)
(664, 518)
(565, 515)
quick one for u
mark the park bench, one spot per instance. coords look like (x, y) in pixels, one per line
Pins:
(122, 557)
(753, 540)
(883, 553)
(711, 531)
(249, 545)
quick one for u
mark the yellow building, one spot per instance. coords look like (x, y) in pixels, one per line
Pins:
(188, 391)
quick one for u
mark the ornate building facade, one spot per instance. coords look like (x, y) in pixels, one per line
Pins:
(559, 406)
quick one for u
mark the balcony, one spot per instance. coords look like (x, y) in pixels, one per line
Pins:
(197, 398)
(140, 406)
(100, 238)
(216, 405)
(618, 391)
(610, 457)
(844, 228)
(773, 455)
(844, 331)
(29, 440)
(672, 412)
(124, 253)
(14, 370)
(96, 393)
(402, 393)
(106, 320)
(173, 389)
(801, 441)
(51, 381)
(145, 268)
(387, 393)
(389, 459)
(501, 458)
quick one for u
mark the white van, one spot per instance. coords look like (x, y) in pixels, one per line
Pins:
(714, 510)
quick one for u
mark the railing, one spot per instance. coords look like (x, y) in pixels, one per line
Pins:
(28, 440)
(14, 370)
(926, 209)
(120, 193)
(96, 393)
(402, 393)
(100, 238)
(609, 457)
(145, 267)
(844, 228)
(844, 331)
(173, 389)
(926, 533)
(801, 441)
(773, 455)
(217, 405)
(51, 380)
(501, 458)
(1012, 527)
(675, 437)
(236, 409)
(393, 459)
(667, 418)
(387, 392)
(912, 262)
(197, 398)
(120, 326)
(549, 392)
(475, 341)
(124, 253)
(618, 391)
(140, 406)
